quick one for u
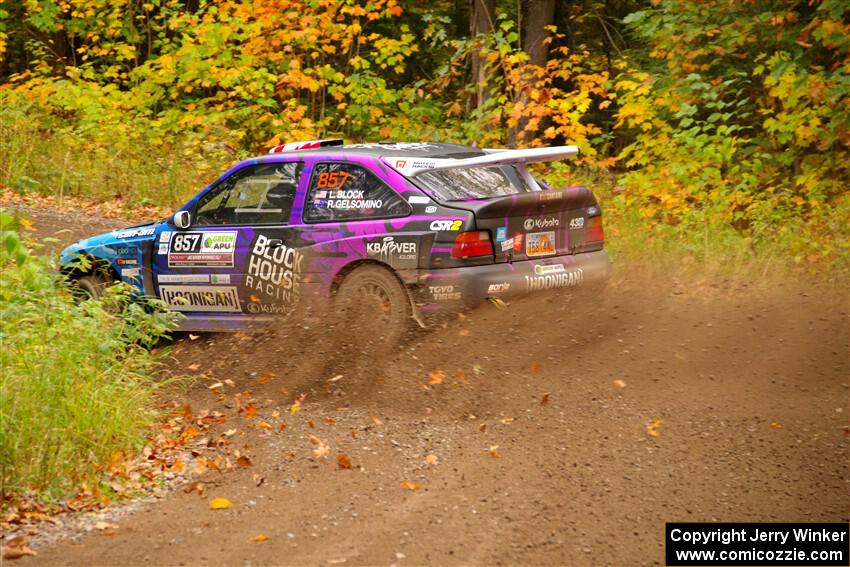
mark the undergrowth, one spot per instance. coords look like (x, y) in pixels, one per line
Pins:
(77, 376)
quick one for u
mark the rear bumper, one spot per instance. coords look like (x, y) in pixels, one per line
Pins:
(469, 286)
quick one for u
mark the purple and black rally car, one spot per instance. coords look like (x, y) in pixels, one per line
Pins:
(413, 228)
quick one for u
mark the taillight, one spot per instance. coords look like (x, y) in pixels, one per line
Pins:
(472, 243)
(594, 232)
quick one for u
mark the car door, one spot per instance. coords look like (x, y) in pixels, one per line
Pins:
(235, 259)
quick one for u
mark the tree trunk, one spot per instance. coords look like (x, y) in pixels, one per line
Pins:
(536, 15)
(481, 18)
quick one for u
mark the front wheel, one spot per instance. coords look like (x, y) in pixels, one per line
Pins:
(374, 304)
(91, 286)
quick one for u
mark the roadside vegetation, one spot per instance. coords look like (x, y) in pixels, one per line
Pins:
(717, 133)
(77, 378)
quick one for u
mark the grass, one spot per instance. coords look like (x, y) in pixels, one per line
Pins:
(77, 380)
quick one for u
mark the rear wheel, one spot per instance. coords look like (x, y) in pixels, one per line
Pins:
(374, 305)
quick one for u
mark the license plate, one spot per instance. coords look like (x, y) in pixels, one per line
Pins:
(540, 244)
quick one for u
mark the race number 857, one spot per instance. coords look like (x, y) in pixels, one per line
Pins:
(186, 242)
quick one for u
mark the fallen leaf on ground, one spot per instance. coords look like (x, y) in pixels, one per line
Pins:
(194, 337)
(493, 450)
(321, 451)
(250, 410)
(335, 378)
(195, 487)
(535, 367)
(620, 383)
(437, 377)
(343, 461)
(216, 386)
(16, 552)
(265, 377)
(105, 526)
(261, 537)
(482, 428)
(311, 424)
(460, 376)
(263, 425)
(376, 420)
(230, 383)
(406, 484)
(244, 461)
(219, 503)
(545, 399)
(229, 433)
(775, 425)
(432, 459)
(194, 366)
(653, 427)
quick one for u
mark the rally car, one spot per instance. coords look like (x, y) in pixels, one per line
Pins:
(409, 228)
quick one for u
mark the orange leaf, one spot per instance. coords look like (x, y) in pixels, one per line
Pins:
(263, 425)
(545, 399)
(244, 461)
(343, 461)
(437, 377)
(410, 485)
(376, 420)
(261, 537)
(535, 367)
(250, 410)
(653, 427)
(219, 503)
(493, 450)
(265, 378)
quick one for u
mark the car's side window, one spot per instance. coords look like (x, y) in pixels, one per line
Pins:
(261, 194)
(345, 191)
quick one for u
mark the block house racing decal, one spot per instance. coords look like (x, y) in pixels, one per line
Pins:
(200, 298)
(202, 249)
(274, 272)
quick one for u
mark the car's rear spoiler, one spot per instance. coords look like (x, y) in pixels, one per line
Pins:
(412, 166)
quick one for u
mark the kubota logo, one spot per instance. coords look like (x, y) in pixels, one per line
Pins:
(550, 222)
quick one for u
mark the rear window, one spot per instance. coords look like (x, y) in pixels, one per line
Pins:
(472, 183)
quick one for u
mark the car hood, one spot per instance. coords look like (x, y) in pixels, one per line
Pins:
(107, 244)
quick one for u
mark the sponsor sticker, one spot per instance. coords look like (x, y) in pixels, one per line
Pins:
(577, 222)
(219, 278)
(127, 262)
(165, 236)
(518, 242)
(501, 233)
(552, 281)
(130, 273)
(498, 287)
(449, 225)
(200, 298)
(255, 308)
(202, 249)
(541, 222)
(551, 196)
(540, 244)
(430, 209)
(183, 278)
(418, 200)
(163, 249)
(396, 252)
(507, 245)
(135, 232)
(444, 292)
(543, 269)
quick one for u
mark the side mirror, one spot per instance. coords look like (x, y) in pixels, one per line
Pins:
(182, 219)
